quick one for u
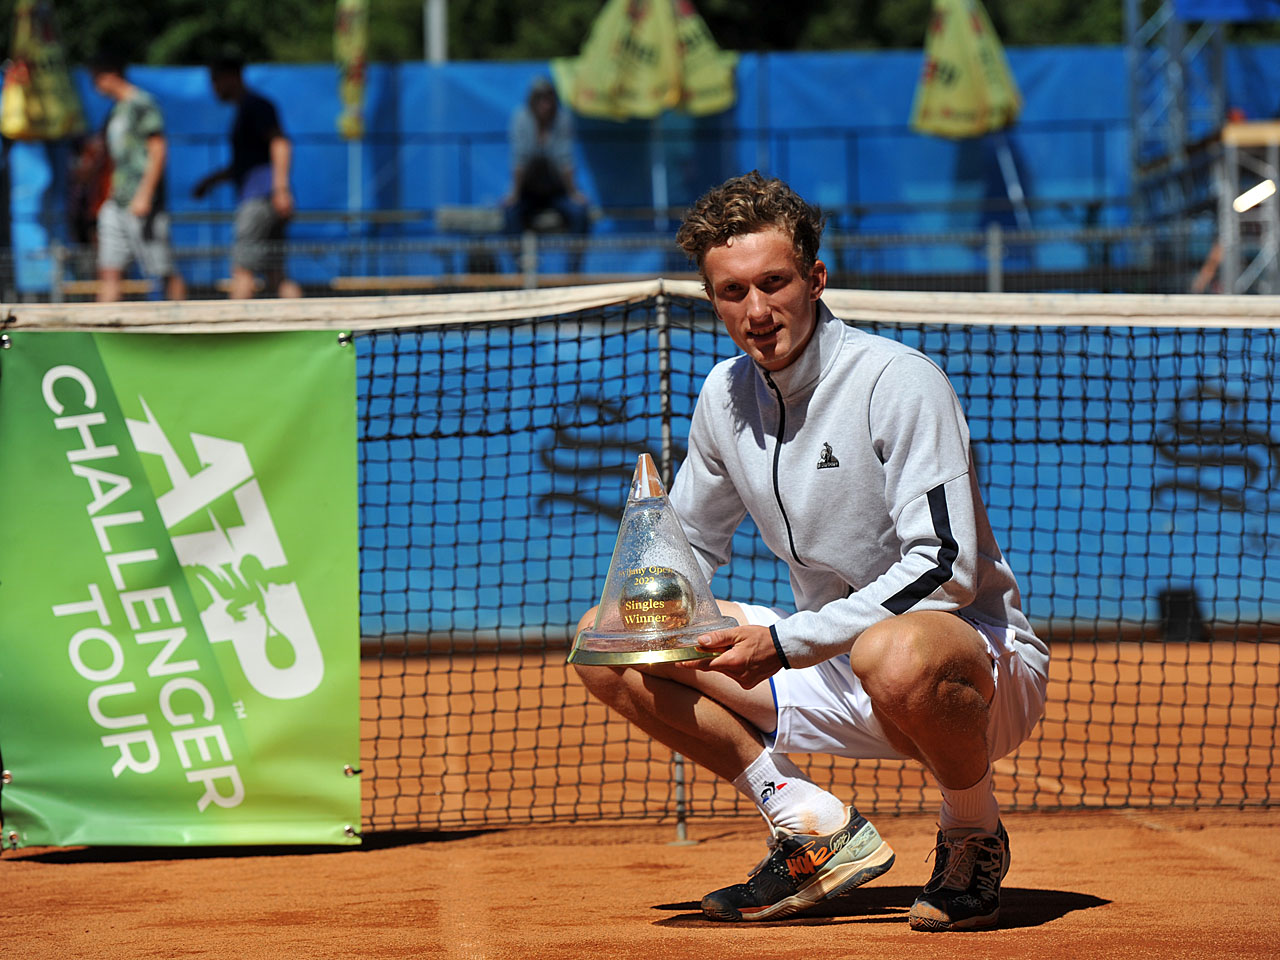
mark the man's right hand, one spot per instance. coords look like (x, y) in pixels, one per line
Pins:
(749, 656)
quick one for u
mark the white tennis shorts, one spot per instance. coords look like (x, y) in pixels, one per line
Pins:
(823, 708)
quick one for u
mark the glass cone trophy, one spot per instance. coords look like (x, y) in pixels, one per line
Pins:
(656, 601)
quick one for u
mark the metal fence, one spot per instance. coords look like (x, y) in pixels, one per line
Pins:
(1165, 259)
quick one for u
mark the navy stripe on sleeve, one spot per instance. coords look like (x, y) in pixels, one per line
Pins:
(913, 593)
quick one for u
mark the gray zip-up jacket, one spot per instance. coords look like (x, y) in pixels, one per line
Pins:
(854, 463)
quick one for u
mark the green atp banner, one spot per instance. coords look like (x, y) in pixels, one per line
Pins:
(179, 647)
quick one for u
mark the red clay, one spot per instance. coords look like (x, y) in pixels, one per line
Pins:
(492, 739)
(459, 740)
(1096, 884)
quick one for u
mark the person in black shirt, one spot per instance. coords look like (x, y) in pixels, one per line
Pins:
(261, 155)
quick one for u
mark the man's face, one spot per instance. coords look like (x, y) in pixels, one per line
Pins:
(544, 107)
(767, 307)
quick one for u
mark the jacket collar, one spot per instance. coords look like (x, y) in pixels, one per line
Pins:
(815, 360)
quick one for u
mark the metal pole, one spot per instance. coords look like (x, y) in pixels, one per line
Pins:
(1218, 76)
(355, 182)
(995, 258)
(1133, 63)
(658, 176)
(1175, 38)
(663, 310)
(1228, 219)
(1270, 278)
(1012, 182)
(57, 271)
(529, 258)
(435, 30)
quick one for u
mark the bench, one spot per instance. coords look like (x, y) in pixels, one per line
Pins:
(89, 288)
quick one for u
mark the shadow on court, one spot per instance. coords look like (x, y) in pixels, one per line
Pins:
(383, 840)
(1019, 907)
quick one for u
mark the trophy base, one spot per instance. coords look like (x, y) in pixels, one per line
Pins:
(614, 649)
(622, 657)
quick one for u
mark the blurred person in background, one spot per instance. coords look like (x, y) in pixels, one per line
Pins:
(261, 156)
(132, 222)
(542, 170)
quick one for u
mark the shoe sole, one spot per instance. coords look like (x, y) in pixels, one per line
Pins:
(932, 925)
(836, 882)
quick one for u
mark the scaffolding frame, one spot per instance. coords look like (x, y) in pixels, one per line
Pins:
(1189, 158)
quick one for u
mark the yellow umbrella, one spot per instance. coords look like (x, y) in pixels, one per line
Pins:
(350, 42)
(38, 101)
(646, 56)
(965, 89)
(350, 38)
(643, 57)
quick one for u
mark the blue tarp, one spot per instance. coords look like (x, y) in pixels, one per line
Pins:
(1115, 465)
(1228, 11)
(835, 125)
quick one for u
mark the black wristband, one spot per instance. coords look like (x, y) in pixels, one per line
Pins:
(777, 646)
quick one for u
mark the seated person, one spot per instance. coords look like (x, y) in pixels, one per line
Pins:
(542, 164)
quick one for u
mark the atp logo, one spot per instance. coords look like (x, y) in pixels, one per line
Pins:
(250, 599)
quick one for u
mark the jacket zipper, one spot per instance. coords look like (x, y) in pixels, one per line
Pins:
(777, 456)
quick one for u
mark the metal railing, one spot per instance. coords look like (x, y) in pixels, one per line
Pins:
(1164, 259)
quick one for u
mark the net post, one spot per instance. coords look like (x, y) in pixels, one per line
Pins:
(662, 308)
(662, 313)
(682, 812)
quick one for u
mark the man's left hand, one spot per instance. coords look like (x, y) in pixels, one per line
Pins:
(749, 656)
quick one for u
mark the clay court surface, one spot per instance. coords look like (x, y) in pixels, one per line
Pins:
(1097, 884)
(1184, 736)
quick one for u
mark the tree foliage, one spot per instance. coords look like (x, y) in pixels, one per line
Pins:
(301, 31)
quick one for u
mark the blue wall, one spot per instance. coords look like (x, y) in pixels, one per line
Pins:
(1115, 464)
(833, 124)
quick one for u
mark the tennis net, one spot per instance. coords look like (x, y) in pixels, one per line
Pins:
(1128, 448)
(1129, 455)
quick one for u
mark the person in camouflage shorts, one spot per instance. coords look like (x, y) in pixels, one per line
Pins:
(132, 222)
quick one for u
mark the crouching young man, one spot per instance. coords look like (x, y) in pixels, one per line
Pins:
(851, 454)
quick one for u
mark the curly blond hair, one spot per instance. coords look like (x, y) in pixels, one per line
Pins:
(748, 204)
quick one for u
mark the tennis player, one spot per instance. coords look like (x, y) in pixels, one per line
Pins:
(851, 454)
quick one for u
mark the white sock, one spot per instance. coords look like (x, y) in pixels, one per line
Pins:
(973, 809)
(787, 798)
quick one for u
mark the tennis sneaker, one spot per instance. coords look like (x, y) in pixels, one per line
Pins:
(801, 870)
(964, 891)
